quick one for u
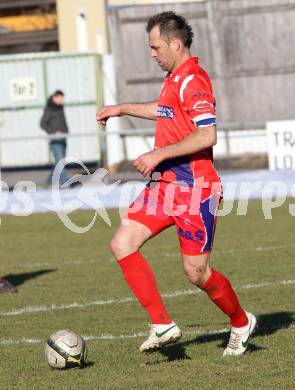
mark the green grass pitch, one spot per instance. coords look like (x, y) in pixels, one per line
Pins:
(66, 280)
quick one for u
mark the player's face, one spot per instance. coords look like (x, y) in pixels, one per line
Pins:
(161, 50)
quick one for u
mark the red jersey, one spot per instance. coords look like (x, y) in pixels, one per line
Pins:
(186, 102)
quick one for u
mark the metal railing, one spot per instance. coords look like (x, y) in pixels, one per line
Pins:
(246, 136)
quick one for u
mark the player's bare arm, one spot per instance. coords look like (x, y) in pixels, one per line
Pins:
(141, 110)
(201, 139)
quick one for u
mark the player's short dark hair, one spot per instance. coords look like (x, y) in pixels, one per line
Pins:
(172, 26)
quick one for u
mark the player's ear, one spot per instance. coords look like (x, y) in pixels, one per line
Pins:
(175, 43)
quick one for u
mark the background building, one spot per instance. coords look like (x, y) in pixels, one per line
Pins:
(83, 23)
(244, 46)
(28, 26)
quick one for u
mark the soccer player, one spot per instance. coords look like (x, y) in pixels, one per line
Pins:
(186, 190)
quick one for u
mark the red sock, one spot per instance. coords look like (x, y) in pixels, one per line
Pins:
(222, 294)
(140, 278)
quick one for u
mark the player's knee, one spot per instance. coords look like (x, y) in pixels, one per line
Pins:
(122, 247)
(117, 247)
(197, 275)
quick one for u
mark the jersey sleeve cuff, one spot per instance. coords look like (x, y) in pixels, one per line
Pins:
(205, 122)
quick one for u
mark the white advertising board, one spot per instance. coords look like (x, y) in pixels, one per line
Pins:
(281, 145)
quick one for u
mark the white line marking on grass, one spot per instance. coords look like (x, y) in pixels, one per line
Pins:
(104, 337)
(111, 337)
(179, 293)
(22, 341)
(74, 305)
(200, 332)
(167, 254)
(55, 264)
(258, 248)
(232, 250)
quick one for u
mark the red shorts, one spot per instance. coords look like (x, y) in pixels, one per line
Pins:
(192, 210)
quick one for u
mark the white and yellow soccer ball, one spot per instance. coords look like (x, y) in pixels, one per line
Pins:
(65, 349)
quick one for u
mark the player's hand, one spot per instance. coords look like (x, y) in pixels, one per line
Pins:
(106, 112)
(147, 162)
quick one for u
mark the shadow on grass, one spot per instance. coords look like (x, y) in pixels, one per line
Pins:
(18, 279)
(268, 324)
(87, 364)
(172, 353)
(75, 367)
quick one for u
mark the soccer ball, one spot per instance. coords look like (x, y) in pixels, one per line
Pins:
(65, 349)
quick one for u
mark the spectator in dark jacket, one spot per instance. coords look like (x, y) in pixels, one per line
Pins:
(54, 123)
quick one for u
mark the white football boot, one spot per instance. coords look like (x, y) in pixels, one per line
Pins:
(160, 335)
(239, 337)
